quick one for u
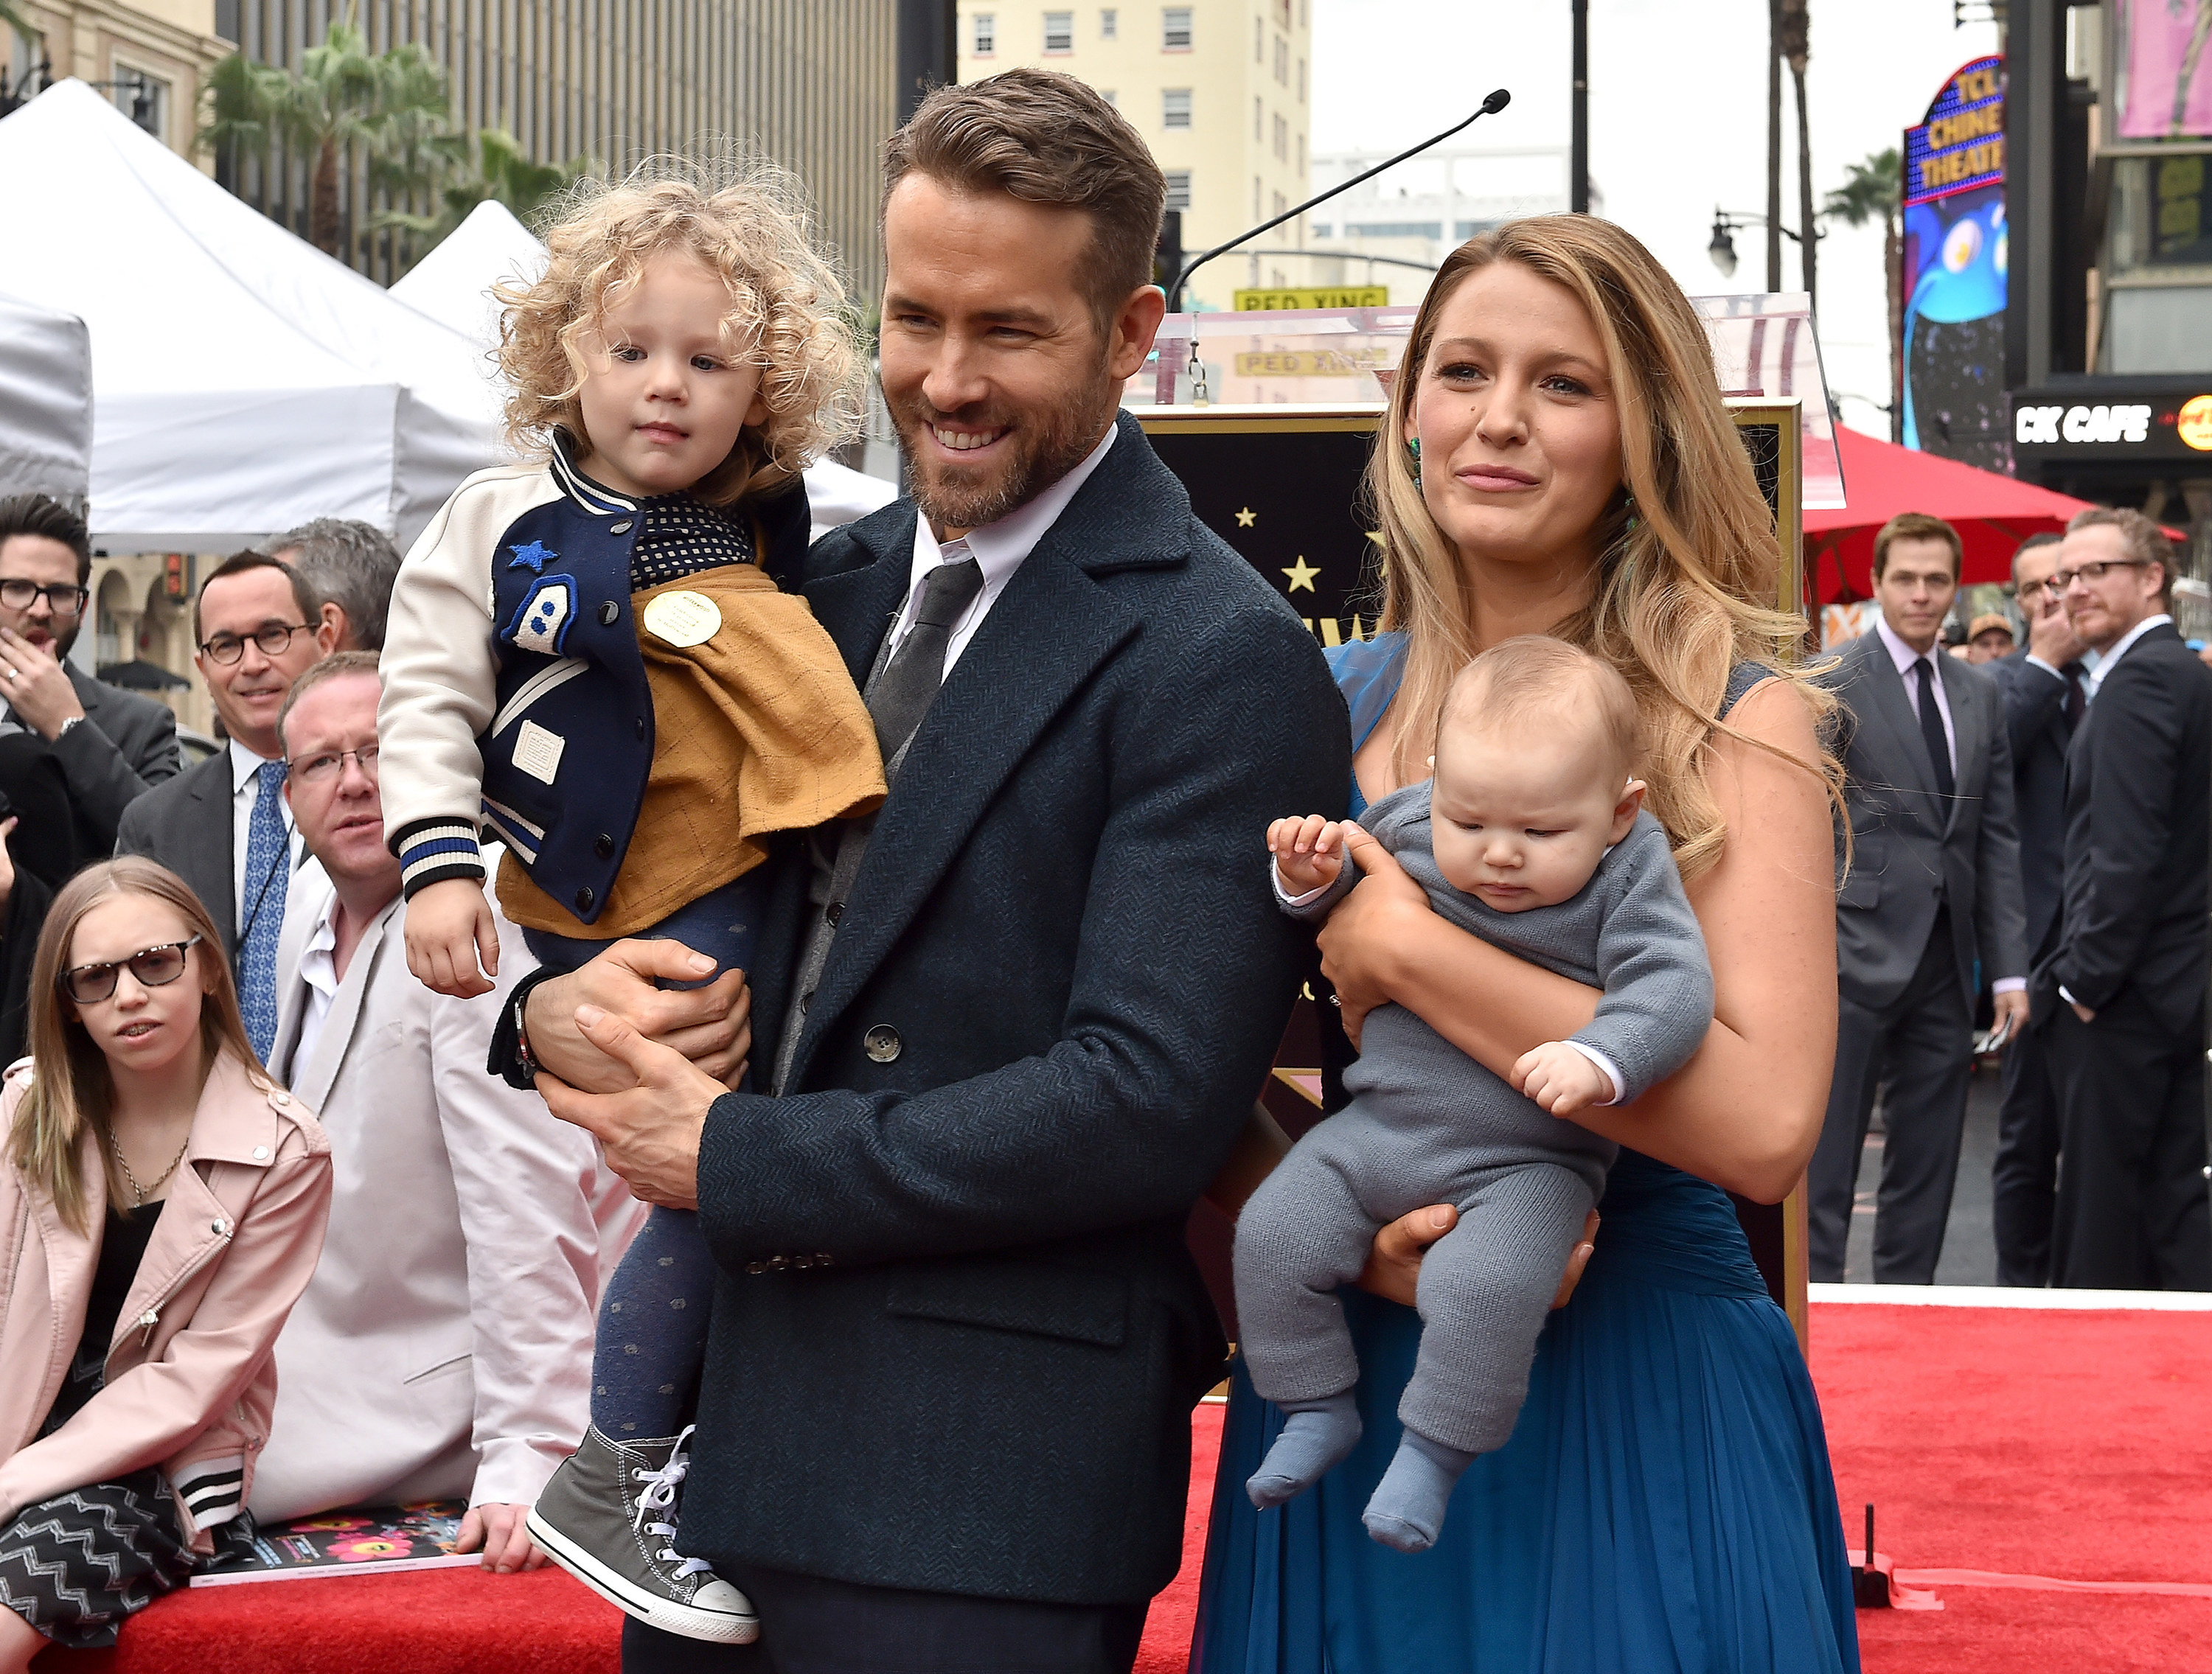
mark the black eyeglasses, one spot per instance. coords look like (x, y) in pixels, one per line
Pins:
(2095, 570)
(65, 598)
(153, 968)
(325, 766)
(271, 636)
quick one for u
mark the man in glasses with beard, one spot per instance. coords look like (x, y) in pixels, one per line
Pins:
(1017, 1020)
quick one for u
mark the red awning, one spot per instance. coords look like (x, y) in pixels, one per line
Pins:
(1993, 514)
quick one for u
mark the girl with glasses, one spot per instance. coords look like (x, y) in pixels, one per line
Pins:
(161, 1208)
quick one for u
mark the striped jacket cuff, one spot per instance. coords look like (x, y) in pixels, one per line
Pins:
(432, 850)
(213, 1491)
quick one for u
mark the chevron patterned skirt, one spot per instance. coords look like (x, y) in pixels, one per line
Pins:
(74, 1566)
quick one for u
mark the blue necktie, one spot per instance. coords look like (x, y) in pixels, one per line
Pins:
(268, 870)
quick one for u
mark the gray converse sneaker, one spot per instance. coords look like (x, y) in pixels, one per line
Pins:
(604, 1519)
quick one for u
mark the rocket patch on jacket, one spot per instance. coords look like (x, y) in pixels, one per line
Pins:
(541, 624)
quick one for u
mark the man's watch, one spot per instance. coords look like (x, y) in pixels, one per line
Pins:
(65, 727)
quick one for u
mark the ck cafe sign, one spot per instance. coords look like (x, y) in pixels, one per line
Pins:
(2145, 426)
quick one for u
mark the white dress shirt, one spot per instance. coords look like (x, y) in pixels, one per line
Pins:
(319, 970)
(1905, 657)
(2119, 649)
(245, 792)
(999, 549)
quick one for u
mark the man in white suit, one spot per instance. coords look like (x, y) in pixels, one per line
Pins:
(443, 1350)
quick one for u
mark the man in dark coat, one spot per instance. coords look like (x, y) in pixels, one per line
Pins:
(2125, 986)
(1019, 1018)
(2046, 689)
(112, 746)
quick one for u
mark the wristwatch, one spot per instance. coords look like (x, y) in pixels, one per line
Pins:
(66, 726)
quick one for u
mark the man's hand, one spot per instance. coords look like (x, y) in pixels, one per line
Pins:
(1367, 928)
(2008, 1014)
(2051, 636)
(35, 683)
(650, 1133)
(1394, 1261)
(1309, 852)
(711, 1026)
(1560, 1079)
(497, 1528)
(449, 928)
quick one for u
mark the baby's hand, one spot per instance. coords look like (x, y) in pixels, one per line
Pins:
(1560, 1079)
(449, 927)
(1309, 852)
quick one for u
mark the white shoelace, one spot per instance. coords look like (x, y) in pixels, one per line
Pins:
(660, 1494)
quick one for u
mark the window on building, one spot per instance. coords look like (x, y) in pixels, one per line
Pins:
(144, 98)
(1395, 229)
(1060, 32)
(1301, 156)
(1302, 81)
(1282, 61)
(1258, 40)
(1255, 197)
(1175, 107)
(1178, 189)
(986, 40)
(1110, 97)
(1174, 28)
(1259, 114)
(1109, 24)
(1281, 203)
(1282, 141)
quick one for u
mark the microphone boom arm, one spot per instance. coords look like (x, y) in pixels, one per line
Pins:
(1495, 102)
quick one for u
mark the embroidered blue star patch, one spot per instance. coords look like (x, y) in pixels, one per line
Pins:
(531, 557)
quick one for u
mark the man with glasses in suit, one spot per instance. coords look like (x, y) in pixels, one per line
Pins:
(223, 827)
(112, 746)
(2125, 986)
(1933, 887)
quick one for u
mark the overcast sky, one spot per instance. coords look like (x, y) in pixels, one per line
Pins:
(1678, 121)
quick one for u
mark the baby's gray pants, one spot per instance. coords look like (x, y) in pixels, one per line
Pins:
(1484, 1288)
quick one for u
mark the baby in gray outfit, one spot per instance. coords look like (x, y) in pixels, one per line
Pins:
(1533, 836)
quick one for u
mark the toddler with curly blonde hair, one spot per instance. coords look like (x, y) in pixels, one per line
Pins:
(587, 655)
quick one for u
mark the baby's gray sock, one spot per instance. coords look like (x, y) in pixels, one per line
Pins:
(1407, 1509)
(1315, 1435)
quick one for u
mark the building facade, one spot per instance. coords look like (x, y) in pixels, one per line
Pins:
(149, 58)
(1397, 228)
(1220, 89)
(812, 84)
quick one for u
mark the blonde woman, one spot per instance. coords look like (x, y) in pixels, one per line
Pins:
(161, 1207)
(1558, 459)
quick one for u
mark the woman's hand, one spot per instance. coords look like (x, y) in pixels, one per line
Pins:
(1394, 1262)
(1364, 935)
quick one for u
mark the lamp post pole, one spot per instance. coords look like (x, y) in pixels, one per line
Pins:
(1578, 160)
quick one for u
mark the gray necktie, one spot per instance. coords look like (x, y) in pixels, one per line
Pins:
(909, 683)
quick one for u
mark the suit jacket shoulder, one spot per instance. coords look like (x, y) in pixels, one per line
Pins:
(185, 823)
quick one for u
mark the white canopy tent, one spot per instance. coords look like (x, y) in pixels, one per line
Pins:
(244, 381)
(452, 285)
(46, 402)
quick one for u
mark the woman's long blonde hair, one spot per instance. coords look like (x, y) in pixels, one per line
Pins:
(70, 1085)
(1688, 553)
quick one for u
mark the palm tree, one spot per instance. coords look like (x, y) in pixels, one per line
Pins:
(1872, 189)
(389, 107)
(501, 170)
(1794, 39)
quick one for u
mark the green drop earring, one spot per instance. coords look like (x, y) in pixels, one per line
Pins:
(1413, 448)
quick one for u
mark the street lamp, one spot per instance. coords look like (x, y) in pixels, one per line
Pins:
(1722, 248)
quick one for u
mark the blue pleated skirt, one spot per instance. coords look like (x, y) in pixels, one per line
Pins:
(1665, 1502)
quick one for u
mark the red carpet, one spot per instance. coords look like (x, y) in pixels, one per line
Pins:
(2070, 1445)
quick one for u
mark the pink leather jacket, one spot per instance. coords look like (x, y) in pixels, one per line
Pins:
(190, 1378)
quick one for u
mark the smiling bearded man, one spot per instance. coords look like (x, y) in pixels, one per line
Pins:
(1016, 1020)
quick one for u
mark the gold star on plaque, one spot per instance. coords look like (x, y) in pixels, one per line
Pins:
(1247, 518)
(1301, 574)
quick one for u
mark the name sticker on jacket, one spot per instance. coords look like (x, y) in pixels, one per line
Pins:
(682, 619)
(541, 623)
(537, 751)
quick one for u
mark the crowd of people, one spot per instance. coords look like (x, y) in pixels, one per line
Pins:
(704, 1046)
(2030, 831)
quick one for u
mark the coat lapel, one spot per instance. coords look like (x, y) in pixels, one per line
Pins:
(312, 1080)
(1969, 743)
(210, 865)
(1892, 710)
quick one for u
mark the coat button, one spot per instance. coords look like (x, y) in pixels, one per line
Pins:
(882, 1042)
(584, 897)
(777, 1264)
(280, 1098)
(261, 1153)
(621, 528)
(638, 727)
(756, 1268)
(833, 911)
(603, 846)
(609, 614)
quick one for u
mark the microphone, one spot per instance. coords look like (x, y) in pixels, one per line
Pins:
(1495, 102)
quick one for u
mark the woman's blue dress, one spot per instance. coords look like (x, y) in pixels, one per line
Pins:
(1665, 1503)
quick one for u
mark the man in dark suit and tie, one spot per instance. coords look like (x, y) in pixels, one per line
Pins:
(2125, 986)
(1018, 1019)
(1933, 887)
(223, 827)
(2044, 691)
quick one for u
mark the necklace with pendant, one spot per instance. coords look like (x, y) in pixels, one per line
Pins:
(123, 1162)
